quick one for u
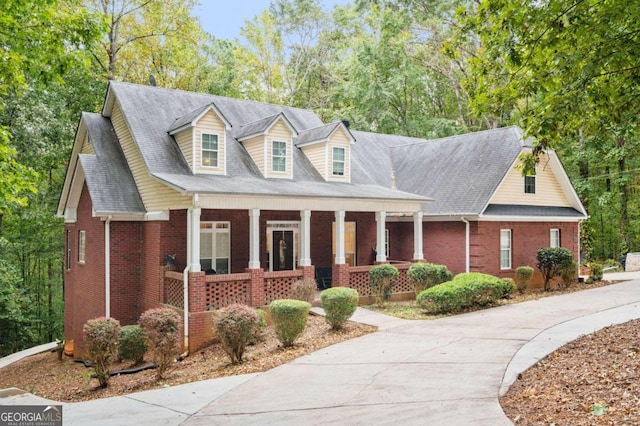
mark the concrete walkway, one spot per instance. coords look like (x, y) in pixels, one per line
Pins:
(442, 372)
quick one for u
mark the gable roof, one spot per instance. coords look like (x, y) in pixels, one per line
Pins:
(109, 180)
(320, 134)
(260, 127)
(191, 118)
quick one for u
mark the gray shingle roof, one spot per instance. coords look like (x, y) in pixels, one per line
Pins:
(519, 210)
(256, 127)
(316, 134)
(107, 174)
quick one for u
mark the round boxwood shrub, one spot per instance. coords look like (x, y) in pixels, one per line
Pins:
(339, 304)
(426, 275)
(382, 278)
(289, 319)
(237, 325)
(132, 343)
(524, 274)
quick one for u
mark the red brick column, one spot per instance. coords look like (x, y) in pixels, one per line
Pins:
(256, 288)
(308, 271)
(340, 275)
(197, 292)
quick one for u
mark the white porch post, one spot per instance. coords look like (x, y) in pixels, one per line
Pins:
(340, 259)
(305, 238)
(381, 255)
(194, 244)
(418, 254)
(254, 239)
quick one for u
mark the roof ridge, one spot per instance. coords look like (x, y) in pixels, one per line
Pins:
(422, 140)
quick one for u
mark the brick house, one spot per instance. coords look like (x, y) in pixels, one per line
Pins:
(198, 201)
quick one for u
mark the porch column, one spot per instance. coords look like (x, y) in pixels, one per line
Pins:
(381, 254)
(418, 254)
(340, 258)
(195, 239)
(305, 238)
(254, 239)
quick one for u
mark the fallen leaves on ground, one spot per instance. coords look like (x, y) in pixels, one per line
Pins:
(594, 380)
(69, 381)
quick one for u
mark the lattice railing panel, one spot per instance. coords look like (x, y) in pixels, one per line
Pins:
(359, 279)
(224, 292)
(277, 285)
(174, 292)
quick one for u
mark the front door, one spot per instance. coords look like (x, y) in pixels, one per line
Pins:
(282, 250)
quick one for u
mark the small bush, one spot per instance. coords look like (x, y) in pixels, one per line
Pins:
(465, 290)
(304, 290)
(382, 278)
(426, 275)
(101, 343)
(551, 262)
(569, 274)
(524, 274)
(162, 327)
(289, 319)
(339, 304)
(596, 271)
(261, 329)
(237, 325)
(508, 287)
(132, 343)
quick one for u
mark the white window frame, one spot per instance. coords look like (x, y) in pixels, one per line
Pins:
(533, 186)
(213, 229)
(274, 156)
(386, 243)
(554, 237)
(506, 249)
(68, 261)
(82, 247)
(209, 150)
(335, 162)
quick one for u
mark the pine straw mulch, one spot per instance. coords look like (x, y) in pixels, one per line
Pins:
(68, 381)
(594, 380)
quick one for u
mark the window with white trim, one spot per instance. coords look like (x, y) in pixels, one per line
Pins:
(278, 156)
(209, 150)
(68, 250)
(215, 249)
(554, 238)
(530, 184)
(82, 245)
(505, 249)
(338, 161)
(386, 243)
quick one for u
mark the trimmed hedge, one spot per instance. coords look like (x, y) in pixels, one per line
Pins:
(289, 319)
(132, 343)
(339, 304)
(464, 291)
(426, 275)
(524, 274)
(382, 278)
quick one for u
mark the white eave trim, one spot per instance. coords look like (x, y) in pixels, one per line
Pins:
(495, 218)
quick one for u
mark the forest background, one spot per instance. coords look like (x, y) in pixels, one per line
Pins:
(566, 71)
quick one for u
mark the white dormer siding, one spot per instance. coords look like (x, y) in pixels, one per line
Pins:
(281, 135)
(206, 133)
(260, 139)
(322, 155)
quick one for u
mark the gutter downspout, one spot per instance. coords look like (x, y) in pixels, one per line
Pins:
(466, 244)
(185, 288)
(107, 267)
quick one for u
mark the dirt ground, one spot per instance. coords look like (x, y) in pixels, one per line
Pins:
(69, 381)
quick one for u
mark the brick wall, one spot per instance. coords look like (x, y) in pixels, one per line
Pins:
(444, 244)
(84, 283)
(125, 271)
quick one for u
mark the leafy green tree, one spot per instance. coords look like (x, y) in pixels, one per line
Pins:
(15, 333)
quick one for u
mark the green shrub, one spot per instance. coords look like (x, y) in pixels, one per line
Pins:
(569, 274)
(162, 327)
(289, 319)
(465, 290)
(132, 343)
(339, 304)
(261, 329)
(508, 287)
(304, 290)
(426, 275)
(101, 342)
(596, 271)
(382, 278)
(524, 274)
(551, 262)
(237, 325)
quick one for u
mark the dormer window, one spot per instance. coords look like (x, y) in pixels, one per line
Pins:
(530, 184)
(209, 150)
(338, 161)
(279, 156)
